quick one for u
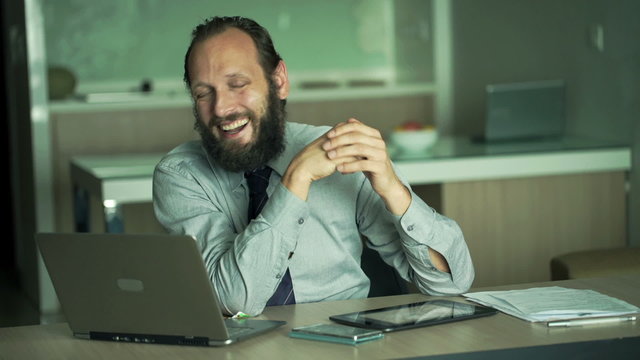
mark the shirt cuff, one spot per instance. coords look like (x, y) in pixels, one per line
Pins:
(416, 227)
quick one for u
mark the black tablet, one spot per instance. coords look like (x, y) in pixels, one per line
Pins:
(418, 314)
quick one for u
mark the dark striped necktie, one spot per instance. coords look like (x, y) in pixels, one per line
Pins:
(258, 181)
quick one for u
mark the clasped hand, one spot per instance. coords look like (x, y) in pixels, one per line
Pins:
(349, 147)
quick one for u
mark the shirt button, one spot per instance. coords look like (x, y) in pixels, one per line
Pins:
(278, 276)
(301, 221)
(410, 228)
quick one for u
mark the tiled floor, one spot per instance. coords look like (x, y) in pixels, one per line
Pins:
(15, 307)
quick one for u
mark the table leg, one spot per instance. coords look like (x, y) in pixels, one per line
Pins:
(83, 203)
(81, 209)
(113, 217)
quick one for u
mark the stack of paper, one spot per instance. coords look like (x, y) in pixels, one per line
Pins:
(552, 303)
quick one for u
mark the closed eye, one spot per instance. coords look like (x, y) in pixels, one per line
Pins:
(203, 94)
(238, 85)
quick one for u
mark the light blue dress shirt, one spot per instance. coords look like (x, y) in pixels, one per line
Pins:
(194, 196)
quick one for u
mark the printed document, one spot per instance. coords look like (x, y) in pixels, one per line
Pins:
(553, 303)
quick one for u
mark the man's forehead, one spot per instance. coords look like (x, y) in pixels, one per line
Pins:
(231, 41)
(232, 51)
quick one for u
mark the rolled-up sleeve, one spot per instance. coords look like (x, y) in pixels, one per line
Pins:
(421, 228)
(404, 241)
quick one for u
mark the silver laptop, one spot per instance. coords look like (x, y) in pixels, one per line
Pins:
(144, 288)
(525, 111)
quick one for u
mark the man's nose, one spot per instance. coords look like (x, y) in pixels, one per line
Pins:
(225, 104)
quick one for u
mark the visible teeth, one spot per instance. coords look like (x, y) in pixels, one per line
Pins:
(234, 124)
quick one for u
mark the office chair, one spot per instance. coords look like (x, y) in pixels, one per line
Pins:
(596, 263)
(385, 280)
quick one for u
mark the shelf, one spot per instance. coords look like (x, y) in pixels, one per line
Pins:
(345, 93)
(139, 101)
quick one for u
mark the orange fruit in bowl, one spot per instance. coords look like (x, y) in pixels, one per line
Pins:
(413, 125)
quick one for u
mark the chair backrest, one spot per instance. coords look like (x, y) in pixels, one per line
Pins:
(385, 280)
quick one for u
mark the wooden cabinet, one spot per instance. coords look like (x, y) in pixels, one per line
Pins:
(513, 227)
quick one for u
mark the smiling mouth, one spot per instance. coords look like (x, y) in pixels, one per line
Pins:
(234, 127)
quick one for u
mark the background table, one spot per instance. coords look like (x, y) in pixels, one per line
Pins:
(105, 182)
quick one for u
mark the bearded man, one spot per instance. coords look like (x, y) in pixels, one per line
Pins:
(321, 190)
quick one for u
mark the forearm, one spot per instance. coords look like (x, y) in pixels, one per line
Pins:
(248, 272)
(426, 248)
(436, 251)
(439, 261)
(246, 275)
(243, 261)
(231, 259)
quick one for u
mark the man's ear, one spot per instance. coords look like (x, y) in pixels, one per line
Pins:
(281, 80)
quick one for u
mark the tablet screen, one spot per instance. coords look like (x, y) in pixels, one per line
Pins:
(414, 315)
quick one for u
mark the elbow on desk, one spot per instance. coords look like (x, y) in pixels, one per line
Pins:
(247, 307)
(464, 281)
(453, 285)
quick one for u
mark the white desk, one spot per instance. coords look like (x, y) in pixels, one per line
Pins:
(119, 179)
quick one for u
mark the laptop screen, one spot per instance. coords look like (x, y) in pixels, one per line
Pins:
(527, 110)
(149, 288)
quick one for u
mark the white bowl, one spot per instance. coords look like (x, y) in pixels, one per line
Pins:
(413, 141)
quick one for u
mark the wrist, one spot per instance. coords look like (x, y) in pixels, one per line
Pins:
(397, 199)
(296, 182)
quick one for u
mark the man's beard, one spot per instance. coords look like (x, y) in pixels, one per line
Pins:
(268, 139)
